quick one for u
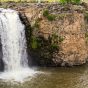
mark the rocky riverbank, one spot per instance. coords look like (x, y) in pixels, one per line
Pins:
(57, 35)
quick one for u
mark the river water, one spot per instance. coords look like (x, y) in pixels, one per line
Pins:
(60, 77)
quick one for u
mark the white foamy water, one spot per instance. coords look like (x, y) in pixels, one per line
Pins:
(13, 47)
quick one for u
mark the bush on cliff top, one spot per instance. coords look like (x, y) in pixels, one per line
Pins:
(70, 1)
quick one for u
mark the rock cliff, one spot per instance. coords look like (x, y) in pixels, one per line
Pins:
(56, 34)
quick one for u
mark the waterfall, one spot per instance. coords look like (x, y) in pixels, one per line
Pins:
(13, 41)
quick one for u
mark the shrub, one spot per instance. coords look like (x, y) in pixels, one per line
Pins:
(56, 38)
(77, 1)
(62, 1)
(86, 16)
(54, 47)
(61, 39)
(86, 35)
(45, 13)
(51, 17)
(65, 1)
(34, 43)
(55, 41)
(70, 1)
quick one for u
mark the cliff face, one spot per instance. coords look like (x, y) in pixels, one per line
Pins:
(73, 48)
(57, 35)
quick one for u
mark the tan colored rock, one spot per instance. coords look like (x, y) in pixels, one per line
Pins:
(73, 50)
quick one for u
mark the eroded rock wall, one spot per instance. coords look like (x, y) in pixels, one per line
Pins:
(68, 25)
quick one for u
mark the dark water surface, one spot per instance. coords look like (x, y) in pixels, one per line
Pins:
(61, 77)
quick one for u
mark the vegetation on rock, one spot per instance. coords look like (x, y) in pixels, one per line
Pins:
(86, 16)
(70, 1)
(50, 17)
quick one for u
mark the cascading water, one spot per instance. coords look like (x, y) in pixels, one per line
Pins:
(13, 46)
